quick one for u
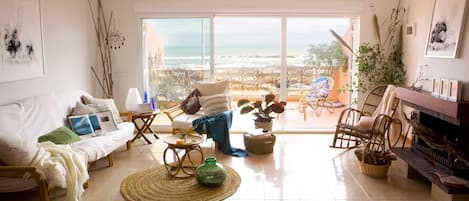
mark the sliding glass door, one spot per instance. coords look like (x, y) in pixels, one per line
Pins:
(247, 53)
(177, 54)
(313, 55)
(258, 54)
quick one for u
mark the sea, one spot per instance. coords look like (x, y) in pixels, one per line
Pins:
(177, 57)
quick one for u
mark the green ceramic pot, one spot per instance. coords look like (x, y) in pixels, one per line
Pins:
(210, 173)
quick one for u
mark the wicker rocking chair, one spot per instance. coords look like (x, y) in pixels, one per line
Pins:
(358, 126)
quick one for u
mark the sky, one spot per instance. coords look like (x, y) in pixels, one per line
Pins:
(238, 32)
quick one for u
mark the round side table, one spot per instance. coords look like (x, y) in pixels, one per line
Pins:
(184, 165)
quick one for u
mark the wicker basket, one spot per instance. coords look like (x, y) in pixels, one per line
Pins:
(376, 171)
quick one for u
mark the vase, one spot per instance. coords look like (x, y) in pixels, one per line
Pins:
(210, 173)
(265, 125)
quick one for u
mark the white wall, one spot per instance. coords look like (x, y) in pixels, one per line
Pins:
(419, 12)
(69, 50)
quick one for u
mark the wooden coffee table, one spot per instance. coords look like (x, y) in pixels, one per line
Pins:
(184, 165)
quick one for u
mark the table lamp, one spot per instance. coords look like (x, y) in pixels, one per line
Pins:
(133, 99)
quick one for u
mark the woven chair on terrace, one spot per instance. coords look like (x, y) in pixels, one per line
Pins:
(372, 122)
(317, 98)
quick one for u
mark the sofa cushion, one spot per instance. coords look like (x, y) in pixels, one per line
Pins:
(23, 121)
(212, 88)
(97, 147)
(15, 149)
(185, 120)
(104, 101)
(12, 184)
(62, 135)
(214, 104)
(365, 122)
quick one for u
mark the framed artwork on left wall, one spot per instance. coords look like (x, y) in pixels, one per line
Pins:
(21, 45)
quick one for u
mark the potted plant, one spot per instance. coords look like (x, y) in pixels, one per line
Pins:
(380, 63)
(262, 110)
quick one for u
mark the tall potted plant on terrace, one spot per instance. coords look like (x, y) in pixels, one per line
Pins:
(262, 109)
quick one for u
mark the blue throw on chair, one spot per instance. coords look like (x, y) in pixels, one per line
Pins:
(218, 128)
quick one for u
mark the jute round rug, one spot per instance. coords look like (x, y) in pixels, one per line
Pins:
(157, 184)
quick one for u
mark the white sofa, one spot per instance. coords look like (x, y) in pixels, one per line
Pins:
(23, 121)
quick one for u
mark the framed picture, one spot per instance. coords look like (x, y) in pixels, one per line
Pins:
(21, 47)
(81, 124)
(445, 28)
(444, 88)
(454, 90)
(436, 86)
(106, 121)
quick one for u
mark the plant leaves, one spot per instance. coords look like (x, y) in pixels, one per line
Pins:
(246, 109)
(242, 102)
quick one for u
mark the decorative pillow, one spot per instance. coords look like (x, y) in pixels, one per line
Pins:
(104, 101)
(81, 108)
(62, 135)
(212, 88)
(214, 104)
(81, 124)
(191, 104)
(365, 122)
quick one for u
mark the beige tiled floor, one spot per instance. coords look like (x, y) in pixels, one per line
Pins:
(302, 167)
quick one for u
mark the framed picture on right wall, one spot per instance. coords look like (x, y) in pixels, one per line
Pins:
(446, 26)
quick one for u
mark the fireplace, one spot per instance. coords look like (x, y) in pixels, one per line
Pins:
(441, 142)
(440, 139)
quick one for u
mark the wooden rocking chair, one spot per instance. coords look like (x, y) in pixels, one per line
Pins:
(358, 126)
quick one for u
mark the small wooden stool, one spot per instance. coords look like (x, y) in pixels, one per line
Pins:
(147, 119)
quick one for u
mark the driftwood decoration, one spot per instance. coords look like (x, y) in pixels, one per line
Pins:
(102, 29)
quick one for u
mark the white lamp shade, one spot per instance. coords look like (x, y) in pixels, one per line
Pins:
(133, 99)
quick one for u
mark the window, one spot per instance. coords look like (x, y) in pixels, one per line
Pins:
(247, 53)
(177, 54)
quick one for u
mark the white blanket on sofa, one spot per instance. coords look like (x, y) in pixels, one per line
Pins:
(62, 167)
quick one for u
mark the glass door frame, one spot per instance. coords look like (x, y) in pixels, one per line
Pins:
(354, 18)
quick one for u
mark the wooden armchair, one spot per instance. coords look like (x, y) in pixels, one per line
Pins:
(179, 119)
(357, 126)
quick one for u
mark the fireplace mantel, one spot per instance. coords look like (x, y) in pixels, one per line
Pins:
(453, 112)
(419, 163)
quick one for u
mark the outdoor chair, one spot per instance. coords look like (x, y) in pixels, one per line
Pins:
(317, 98)
(372, 122)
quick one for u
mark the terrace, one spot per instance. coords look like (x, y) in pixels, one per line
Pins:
(252, 83)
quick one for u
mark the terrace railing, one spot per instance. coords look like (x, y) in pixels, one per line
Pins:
(175, 83)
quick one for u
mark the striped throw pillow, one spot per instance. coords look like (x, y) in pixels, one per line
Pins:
(214, 104)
